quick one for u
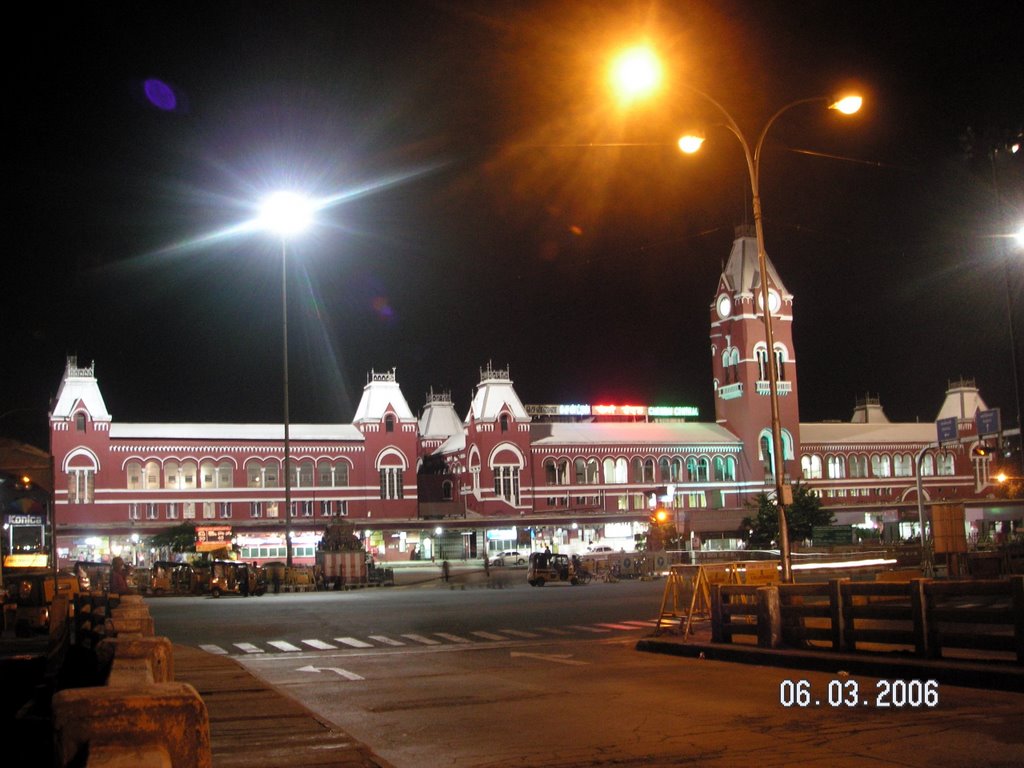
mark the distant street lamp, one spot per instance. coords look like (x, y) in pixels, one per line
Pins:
(630, 70)
(286, 214)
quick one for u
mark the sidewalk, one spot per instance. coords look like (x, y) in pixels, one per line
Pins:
(976, 671)
(253, 725)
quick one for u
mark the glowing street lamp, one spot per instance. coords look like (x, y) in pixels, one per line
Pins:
(286, 214)
(637, 62)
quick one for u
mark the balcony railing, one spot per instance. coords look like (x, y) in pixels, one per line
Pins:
(730, 391)
(781, 387)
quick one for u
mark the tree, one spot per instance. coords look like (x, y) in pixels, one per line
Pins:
(180, 538)
(802, 516)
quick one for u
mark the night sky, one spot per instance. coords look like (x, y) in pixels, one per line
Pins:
(496, 204)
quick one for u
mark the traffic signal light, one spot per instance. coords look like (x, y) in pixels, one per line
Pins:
(981, 450)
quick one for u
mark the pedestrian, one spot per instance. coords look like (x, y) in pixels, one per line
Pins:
(444, 570)
(487, 566)
(118, 577)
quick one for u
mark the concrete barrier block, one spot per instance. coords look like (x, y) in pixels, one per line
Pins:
(171, 716)
(117, 756)
(133, 673)
(156, 651)
(142, 625)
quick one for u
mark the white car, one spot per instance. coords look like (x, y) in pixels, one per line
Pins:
(603, 549)
(508, 558)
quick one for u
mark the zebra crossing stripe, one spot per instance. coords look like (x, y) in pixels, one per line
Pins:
(353, 642)
(488, 636)
(453, 638)
(214, 649)
(422, 639)
(553, 630)
(519, 633)
(616, 626)
(589, 629)
(647, 623)
(386, 640)
(320, 645)
(283, 645)
(248, 647)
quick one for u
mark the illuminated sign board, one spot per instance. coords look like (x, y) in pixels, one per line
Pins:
(24, 519)
(582, 409)
(212, 537)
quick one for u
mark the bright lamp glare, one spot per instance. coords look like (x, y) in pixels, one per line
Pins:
(286, 213)
(848, 104)
(1019, 236)
(690, 143)
(636, 72)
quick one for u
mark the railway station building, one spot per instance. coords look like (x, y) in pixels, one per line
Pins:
(503, 475)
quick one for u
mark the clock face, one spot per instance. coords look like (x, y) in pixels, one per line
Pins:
(724, 306)
(774, 301)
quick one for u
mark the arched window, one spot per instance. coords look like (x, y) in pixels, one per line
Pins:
(152, 477)
(550, 476)
(835, 466)
(719, 465)
(881, 465)
(858, 465)
(225, 475)
(189, 475)
(134, 471)
(810, 465)
(446, 490)
(340, 474)
(664, 470)
(730, 468)
(947, 465)
(254, 475)
(389, 423)
(927, 465)
(761, 355)
(504, 422)
(903, 465)
(172, 474)
(780, 362)
(80, 422)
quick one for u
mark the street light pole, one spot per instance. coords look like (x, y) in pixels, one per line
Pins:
(782, 491)
(287, 425)
(286, 213)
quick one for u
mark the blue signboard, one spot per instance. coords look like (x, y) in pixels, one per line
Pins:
(947, 430)
(988, 422)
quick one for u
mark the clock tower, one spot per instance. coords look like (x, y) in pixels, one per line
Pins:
(740, 361)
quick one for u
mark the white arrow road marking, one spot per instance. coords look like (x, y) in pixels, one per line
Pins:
(558, 658)
(340, 672)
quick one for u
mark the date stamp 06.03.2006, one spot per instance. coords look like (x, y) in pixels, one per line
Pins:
(846, 692)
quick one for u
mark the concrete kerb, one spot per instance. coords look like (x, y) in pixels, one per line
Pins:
(141, 717)
(966, 672)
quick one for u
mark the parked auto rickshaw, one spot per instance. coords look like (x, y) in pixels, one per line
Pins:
(28, 597)
(234, 577)
(545, 567)
(168, 578)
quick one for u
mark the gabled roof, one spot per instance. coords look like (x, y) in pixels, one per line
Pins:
(439, 419)
(741, 271)
(380, 393)
(323, 432)
(615, 433)
(79, 386)
(494, 392)
(962, 401)
(866, 433)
